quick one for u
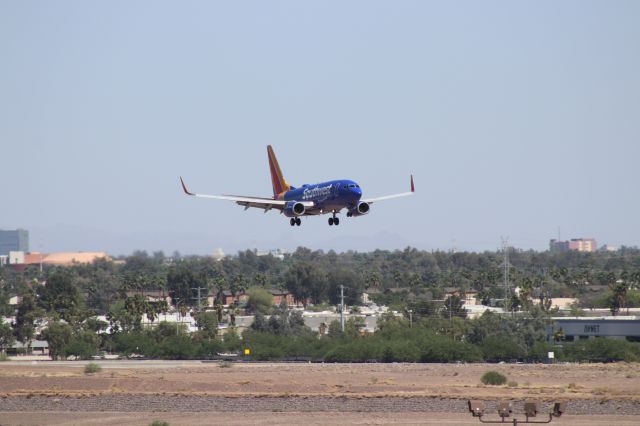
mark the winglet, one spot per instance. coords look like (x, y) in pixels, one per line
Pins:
(413, 188)
(184, 187)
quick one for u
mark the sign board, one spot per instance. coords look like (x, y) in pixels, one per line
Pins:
(247, 351)
(551, 355)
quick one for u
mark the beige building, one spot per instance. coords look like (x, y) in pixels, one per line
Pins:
(583, 244)
(61, 258)
(577, 244)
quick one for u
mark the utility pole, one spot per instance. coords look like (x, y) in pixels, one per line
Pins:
(177, 316)
(410, 318)
(506, 266)
(342, 307)
(198, 298)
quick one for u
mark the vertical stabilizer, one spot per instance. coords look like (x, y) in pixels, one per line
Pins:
(280, 186)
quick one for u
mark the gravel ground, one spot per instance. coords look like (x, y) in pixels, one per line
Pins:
(266, 418)
(194, 403)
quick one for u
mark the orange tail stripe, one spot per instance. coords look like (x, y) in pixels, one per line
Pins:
(277, 180)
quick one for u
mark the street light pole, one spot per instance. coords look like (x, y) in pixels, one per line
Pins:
(342, 307)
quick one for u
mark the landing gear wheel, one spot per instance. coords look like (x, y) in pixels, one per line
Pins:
(298, 221)
(292, 222)
(336, 221)
(330, 221)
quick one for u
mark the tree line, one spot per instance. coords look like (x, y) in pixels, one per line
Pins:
(316, 275)
(73, 296)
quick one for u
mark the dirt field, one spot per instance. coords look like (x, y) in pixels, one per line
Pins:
(138, 392)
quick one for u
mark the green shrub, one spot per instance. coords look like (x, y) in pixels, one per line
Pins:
(539, 351)
(92, 368)
(436, 348)
(501, 348)
(82, 345)
(159, 423)
(4, 357)
(493, 378)
(601, 350)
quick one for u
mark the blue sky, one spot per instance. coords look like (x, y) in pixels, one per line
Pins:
(516, 118)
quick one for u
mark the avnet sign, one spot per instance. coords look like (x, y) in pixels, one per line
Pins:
(621, 326)
(592, 328)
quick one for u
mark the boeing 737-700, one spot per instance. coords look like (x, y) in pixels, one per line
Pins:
(308, 200)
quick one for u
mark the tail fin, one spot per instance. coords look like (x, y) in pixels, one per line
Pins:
(277, 180)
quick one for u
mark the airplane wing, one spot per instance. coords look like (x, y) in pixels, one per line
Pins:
(262, 203)
(388, 197)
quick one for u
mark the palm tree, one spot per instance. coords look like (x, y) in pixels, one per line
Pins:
(619, 296)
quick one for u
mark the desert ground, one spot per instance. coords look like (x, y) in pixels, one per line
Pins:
(199, 393)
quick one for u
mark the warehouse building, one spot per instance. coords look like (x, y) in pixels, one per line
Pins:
(576, 328)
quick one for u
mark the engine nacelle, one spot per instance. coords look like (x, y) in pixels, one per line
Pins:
(294, 209)
(360, 210)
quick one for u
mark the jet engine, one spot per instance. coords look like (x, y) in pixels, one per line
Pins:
(360, 210)
(294, 209)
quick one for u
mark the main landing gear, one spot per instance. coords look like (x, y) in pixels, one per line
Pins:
(334, 220)
(295, 221)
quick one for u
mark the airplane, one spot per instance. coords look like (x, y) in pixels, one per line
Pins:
(308, 200)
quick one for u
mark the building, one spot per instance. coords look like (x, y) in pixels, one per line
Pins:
(560, 303)
(226, 298)
(468, 297)
(16, 258)
(218, 254)
(152, 296)
(577, 328)
(55, 259)
(583, 244)
(556, 246)
(319, 321)
(277, 253)
(69, 258)
(588, 245)
(280, 296)
(16, 240)
(35, 347)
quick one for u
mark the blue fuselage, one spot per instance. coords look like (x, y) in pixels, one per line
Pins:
(332, 195)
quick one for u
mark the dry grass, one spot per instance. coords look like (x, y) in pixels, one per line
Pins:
(366, 380)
